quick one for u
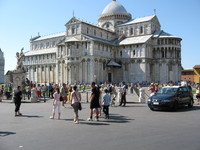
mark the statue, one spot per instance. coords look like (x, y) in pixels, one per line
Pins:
(20, 58)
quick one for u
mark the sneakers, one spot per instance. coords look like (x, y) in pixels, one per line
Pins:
(89, 119)
(51, 117)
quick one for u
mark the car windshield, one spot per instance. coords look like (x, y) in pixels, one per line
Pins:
(165, 90)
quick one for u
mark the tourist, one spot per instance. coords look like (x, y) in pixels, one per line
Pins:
(39, 91)
(198, 94)
(44, 89)
(17, 100)
(75, 102)
(50, 89)
(1, 92)
(156, 87)
(64, 93)
(151, 88)
(119, 95)
(123, 100)
(94, 102)
(69, 93)
(56, 103)
(29, 92)
(105, 103)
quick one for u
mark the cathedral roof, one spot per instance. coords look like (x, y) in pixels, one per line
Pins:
(138, 20)
(135, 40)
(163, 34)
(114, 8)
(40, 52)
(50, 36)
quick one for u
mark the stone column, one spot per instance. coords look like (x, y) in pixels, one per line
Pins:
(57, 73)
(91, 74)
(80, 72)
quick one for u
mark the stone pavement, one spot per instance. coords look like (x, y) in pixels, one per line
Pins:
(132, 127)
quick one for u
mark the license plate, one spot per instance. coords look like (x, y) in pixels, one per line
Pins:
(156, 103)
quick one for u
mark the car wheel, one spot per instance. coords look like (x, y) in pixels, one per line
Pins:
(190, 104)
(175, 106)
(151, 108)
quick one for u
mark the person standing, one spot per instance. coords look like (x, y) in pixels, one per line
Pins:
(50, 89)
(94, 102)
(39, 91)
(123, 100)
(17, 100)
(44, 89)
(105, 103)
(64, 94)
(75, 100)
(56, 103)
(151, 88)
(198, 94)
(29, 91)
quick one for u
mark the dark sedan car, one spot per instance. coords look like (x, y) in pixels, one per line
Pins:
(171, 97)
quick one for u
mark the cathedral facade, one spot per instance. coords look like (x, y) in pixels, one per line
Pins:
(2, 64)
(117, 49)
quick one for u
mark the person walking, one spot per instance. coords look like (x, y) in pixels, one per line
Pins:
(44, 89)
(17, 100)
(64, 94)
(105, 103)
(94, 102)
(123, 100)
(75, 102)
(56, 103)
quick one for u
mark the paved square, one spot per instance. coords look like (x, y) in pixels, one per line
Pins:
(134, 127)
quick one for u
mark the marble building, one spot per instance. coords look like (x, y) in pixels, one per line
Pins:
(2, 64)
(118, 48)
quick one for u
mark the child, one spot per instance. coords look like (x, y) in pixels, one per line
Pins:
(105, 103)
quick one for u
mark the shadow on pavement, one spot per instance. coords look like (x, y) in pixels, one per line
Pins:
(30, 116)
(114, 118)
(5, 133)
(185, 108)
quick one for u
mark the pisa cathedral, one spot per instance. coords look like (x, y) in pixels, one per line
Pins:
(118, 48)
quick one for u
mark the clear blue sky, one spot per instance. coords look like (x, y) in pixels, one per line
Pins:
(21, 19)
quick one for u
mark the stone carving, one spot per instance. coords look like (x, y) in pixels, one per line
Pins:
(20, 58)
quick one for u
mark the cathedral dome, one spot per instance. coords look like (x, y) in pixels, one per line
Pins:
(113, 14)
(114, 8)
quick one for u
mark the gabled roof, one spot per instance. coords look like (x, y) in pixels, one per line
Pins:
(50, 36)
(139, 20)
(100, 40)
(113, 64)
(72, 39)
(196, 66)
(135, 40)
(163, 34)
(40, 52)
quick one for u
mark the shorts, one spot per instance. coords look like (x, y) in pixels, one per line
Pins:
(94, 104)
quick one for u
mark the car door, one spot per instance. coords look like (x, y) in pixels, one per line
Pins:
(183, 95)
(186, 95)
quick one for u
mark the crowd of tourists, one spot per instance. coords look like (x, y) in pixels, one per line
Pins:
(102, 96)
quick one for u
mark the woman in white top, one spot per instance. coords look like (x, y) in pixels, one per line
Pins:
(75, 100)
(56, 103)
